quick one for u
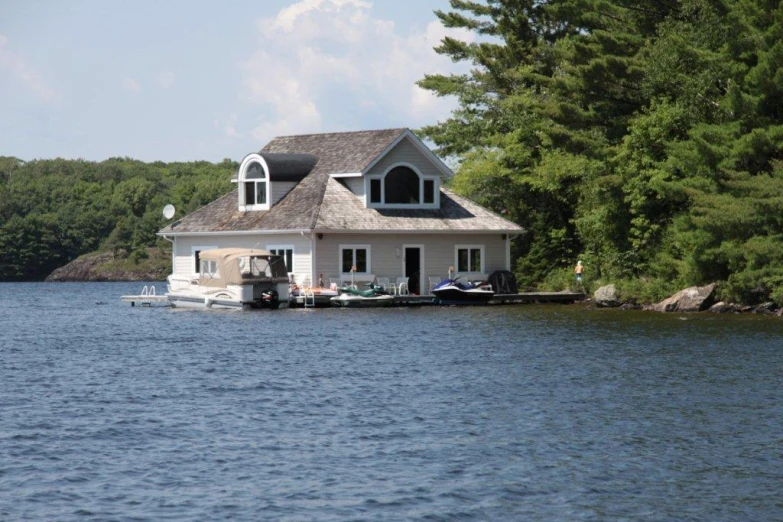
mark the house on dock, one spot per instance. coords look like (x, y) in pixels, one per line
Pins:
(337, 206)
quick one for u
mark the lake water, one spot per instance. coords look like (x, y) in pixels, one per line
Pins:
(524, 412)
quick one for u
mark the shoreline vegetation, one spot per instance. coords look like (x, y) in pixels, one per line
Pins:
(54, 211)
(647, 143)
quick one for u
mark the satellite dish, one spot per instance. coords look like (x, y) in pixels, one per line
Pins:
(168, 211)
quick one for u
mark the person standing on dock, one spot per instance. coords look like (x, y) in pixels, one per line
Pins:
(578, 271)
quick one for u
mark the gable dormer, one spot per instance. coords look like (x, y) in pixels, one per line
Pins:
(264, 178)
(402, 185)
(406, 175)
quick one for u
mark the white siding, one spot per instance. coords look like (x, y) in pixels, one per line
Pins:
(355, 185)
(438, 253)
(280, 189)
(405, 152)
(183, 249)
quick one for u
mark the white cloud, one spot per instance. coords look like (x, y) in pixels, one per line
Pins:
(166, 79)
(296, 14)
(228, 126)
(130, 84)
(323, 62)
(22, 71)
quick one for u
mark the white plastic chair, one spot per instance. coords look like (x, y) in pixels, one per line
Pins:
(433, 281)
(402, 286)
(384, 283)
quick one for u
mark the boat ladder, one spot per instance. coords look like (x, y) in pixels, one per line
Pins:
(309, 298)
(148, 297)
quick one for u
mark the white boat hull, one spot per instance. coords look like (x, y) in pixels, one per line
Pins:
(183, 301)
(186, 294)
(357, 301)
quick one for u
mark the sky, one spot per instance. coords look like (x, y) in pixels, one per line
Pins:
(187, 80)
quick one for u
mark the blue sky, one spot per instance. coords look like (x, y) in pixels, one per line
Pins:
(177, 80)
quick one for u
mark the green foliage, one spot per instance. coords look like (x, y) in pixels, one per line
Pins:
(647, 136)
(53, 211)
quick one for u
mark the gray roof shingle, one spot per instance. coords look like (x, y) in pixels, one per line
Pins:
(341, 210)
(319, 202)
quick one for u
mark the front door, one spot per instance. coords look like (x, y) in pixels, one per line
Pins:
(412, 269)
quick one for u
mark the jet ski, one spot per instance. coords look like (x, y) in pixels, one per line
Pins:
(453, 291)
(351, 296)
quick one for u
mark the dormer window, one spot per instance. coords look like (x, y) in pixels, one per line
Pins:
(402, 187)
(253, 185)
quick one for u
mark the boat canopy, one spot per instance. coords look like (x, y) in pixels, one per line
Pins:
(238, 266)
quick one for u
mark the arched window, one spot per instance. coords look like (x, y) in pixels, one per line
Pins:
(255, 185)
(401, 185)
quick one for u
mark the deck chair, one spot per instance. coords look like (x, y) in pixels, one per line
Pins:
(384, 283)
(433, 281)
(402, 286)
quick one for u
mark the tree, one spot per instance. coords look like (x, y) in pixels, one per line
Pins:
(637, 134)
(52, 211)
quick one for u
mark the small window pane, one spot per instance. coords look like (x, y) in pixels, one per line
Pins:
(261, 193)
(462, 260)
(250, 193)
(429, 191)
(361, 260)
(375, 191)
(347, 260)
(255, 171)
(475, 260)
(288, 257)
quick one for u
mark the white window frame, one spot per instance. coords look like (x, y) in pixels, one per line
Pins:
(290, 267)
(470, 270)
(195, 270)
(241, 180)
(382, 177)
(354, 247)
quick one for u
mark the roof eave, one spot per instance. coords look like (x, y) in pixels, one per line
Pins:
(271, 232)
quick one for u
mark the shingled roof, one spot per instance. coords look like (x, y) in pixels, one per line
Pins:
(341, 210)
(319, 202)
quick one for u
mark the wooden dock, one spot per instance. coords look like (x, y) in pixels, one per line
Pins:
(148, 297)
(146, 300)
(500, 299)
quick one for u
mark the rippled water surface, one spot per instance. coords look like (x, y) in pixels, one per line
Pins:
(492, 413)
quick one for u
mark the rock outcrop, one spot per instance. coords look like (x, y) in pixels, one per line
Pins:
(103, 267)
(693, 299)
(606, 297)
(725, 308)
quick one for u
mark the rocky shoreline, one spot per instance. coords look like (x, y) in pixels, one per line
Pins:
(692, 299)
(105, 267)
